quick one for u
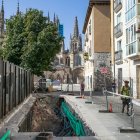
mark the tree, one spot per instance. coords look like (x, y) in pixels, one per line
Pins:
(15, 39)
(1, 52)
(35, 45)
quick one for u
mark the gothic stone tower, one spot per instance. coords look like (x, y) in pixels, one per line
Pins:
(76, 54)
(2, 20)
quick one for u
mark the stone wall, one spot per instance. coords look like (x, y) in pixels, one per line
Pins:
(102, 60)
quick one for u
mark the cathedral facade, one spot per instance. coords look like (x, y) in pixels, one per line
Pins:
(69, 63)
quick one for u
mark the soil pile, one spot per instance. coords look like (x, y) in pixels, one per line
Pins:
(44, 117)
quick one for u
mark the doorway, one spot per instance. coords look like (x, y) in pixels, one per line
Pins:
(138, 81)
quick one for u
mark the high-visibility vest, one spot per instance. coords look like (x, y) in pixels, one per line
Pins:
(125, 91)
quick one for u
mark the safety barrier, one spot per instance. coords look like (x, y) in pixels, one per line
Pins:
(112, 102)
(75, 123)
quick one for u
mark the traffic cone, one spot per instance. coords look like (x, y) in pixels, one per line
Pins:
(110, 107)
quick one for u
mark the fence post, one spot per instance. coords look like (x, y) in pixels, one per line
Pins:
(106, 100)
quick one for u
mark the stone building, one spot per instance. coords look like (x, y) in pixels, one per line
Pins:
(97, 47)
(69, 64)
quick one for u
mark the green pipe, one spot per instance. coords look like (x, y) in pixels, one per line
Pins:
(6, 136)
(76, 124)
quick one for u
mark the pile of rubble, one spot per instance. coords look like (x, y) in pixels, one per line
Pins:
(44, 118)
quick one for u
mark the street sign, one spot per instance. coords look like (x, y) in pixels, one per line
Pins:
(103, 70)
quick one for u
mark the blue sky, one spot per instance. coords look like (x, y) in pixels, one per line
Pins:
(65, 9)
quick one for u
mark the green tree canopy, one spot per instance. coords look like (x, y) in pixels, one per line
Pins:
(32, 42)
(15, 39)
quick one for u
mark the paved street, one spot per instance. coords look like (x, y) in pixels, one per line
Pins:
(105, 125)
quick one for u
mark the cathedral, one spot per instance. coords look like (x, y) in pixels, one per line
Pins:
(69, 64)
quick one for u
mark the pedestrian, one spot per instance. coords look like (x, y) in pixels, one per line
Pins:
(113, 87)
(125, 90)
(82, 87)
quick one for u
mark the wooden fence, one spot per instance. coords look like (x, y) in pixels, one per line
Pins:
(15, 86)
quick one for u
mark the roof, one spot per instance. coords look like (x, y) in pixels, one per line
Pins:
(89, 9)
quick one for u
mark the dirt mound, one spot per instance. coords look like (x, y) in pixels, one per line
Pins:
(44, 117)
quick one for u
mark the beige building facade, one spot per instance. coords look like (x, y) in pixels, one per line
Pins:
(97, 45)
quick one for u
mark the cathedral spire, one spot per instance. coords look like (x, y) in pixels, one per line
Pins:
(2, 7)
(2, 19)
(18, 8)
(48, 17)
(57, 21)
(76, 30)
(54, 19)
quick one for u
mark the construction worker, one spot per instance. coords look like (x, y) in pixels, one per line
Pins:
(125, 90)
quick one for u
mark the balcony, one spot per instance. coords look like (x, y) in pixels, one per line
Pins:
(133, 51)
(118, 57)
(118, 30)
(117, 5)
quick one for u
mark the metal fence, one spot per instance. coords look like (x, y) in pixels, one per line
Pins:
(15, 86)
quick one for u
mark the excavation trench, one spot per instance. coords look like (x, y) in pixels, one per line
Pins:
(52, 114)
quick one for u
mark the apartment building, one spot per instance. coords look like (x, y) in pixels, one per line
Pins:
(97, 44)
(127, 44)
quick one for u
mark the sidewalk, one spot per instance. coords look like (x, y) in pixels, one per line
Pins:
(104, 125)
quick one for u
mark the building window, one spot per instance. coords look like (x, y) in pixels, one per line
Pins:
(131, 40)
(90, 29)
(118, 18)
(67, 61)
(130, 9)
(131, 34)
(131, 48)
(89, 49)
(119, 45)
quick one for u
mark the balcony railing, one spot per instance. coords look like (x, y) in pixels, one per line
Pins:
(117, 5)
(118, 30)
(118, 55)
